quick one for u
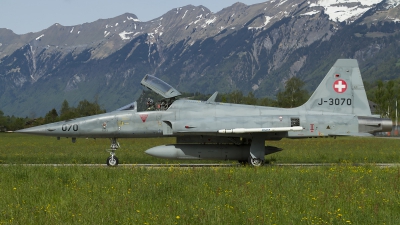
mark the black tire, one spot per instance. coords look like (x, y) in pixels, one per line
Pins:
(256, 161)
(112, 161)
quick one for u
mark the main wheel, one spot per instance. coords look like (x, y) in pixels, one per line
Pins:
(255, 161)
(112, 161)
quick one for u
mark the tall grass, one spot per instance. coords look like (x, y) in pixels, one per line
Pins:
(239, 195)
(341, 194)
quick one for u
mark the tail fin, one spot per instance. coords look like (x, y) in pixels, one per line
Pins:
(341, 91)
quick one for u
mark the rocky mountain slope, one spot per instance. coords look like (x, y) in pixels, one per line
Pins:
(250, 48)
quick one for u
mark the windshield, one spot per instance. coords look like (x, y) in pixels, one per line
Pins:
(131, 106)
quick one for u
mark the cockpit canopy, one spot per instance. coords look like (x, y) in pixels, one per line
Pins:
(159, 86)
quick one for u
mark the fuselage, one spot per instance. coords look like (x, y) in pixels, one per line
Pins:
(199, 117)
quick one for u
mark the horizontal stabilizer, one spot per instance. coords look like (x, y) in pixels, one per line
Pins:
(259, 130)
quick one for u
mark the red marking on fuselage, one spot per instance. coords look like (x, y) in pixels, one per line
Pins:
(312, 127)
(143, 117)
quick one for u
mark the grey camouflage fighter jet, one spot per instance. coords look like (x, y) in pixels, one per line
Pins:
(213, 130)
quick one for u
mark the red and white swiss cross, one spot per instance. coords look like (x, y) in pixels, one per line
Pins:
(340, 86)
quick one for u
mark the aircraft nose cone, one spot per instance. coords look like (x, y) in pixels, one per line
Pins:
(32, 130)
(40, 130)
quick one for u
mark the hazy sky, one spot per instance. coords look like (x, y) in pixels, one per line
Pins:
(23, 16)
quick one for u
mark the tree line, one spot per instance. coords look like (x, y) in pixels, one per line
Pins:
(292, 96)
(385, 95)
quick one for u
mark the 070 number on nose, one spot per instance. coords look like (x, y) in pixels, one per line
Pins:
(66, 127)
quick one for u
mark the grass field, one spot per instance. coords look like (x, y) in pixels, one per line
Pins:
(338, 194)
(267, 195)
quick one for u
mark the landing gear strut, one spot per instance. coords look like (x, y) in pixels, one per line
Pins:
(257, 150)
(113, 160)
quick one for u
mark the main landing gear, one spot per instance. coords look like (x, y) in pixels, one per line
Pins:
(252, 161)
(255, 161)
(113, 160)
(257, 151)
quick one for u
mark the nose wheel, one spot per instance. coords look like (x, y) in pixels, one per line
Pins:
(113, 160)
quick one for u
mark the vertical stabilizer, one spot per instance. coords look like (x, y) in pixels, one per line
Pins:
(341, 91)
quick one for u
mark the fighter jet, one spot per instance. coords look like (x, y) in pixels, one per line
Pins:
(215, 130)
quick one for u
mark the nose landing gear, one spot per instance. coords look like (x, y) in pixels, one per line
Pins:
(113, 160)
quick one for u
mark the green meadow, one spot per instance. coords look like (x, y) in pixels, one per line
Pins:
(336, 194)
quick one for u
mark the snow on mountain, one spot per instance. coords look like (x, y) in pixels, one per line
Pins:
(392, 3)
(310, 13)
(133, 19)
(345, 10)
(39, 37)
(124, 36)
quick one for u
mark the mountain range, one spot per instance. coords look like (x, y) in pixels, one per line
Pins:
(252, 48)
